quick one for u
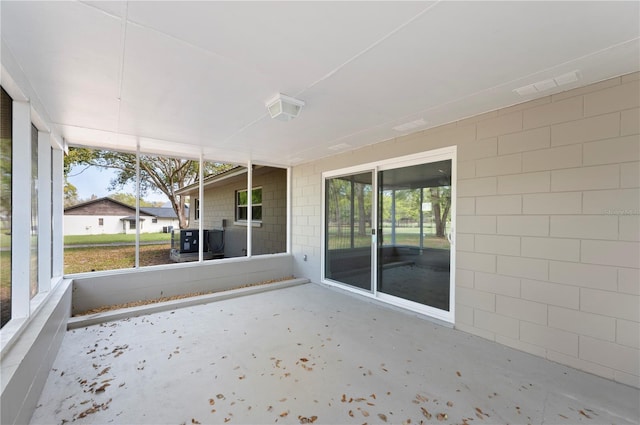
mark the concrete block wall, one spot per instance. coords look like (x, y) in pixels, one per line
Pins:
(271, 236)
(219, 205)
(98, 290)
(548, 223)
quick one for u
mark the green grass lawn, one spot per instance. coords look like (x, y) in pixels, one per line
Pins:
(5, 286)
(409, 239)
(115, 238)
(5, 239)
(100, 258)
(408, 236)
(81, 260)
(5, 268)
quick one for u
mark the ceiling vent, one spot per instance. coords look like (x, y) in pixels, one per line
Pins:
(339, 147)
(551, 83)
(410, 125)
(284, 108)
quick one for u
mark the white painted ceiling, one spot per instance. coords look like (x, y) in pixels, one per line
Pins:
(191, 77)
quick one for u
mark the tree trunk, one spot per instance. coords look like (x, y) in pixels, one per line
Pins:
(435, 206)
(361, 214)
(179, 208)
(336, 202)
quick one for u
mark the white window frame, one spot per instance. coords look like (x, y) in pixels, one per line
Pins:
(250, 204)
(49, 211)
(21, 223)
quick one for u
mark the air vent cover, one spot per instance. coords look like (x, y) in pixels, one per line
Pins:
(551, 83)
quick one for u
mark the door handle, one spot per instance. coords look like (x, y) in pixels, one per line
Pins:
(450, 236)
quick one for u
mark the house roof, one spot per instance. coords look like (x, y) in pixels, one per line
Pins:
(131, 218)
(194, 77)
(234, 174)
(212, 179)
(103, 200)
(159, 212)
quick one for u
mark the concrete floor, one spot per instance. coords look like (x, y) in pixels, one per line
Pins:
(311, 354)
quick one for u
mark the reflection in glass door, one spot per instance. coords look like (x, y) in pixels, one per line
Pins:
(348, 224)
(414, 225)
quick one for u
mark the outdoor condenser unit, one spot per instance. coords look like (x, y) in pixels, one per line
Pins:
(216, 241)
(189, 240)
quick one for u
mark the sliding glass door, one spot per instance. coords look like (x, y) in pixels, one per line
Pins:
(414, 226)
(388, 231)
(348, 222)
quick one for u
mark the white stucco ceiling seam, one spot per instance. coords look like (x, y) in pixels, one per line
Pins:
(100, 10)
(246, 126)
(370, 47)
(199, 48)
(123, 47)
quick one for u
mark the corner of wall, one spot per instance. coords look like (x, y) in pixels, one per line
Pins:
(26, 365)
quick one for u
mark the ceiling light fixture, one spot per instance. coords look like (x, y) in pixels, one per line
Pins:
(284, 108)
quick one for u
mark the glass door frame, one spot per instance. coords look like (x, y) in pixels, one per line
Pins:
(447, 153)
(373, 246)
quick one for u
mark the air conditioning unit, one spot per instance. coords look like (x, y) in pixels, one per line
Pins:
(216, 242)
(189, 240)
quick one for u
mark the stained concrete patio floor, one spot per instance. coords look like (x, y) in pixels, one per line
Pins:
(311, 354)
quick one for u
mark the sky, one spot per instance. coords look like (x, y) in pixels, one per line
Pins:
(95, 181)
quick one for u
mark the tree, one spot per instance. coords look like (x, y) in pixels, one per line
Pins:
(164, 174)
(337, 192)
(5, 163)
(407, 204)
(440, 204)
(130, 199)
(362, 214)
(75, 156)
(70, 194)
(5, 184)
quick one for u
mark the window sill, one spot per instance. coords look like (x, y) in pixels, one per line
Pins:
(244, 223)
(15, 327)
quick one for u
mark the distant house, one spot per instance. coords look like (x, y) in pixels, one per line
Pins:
(225, 207)
(162, 217)
(108, 216)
